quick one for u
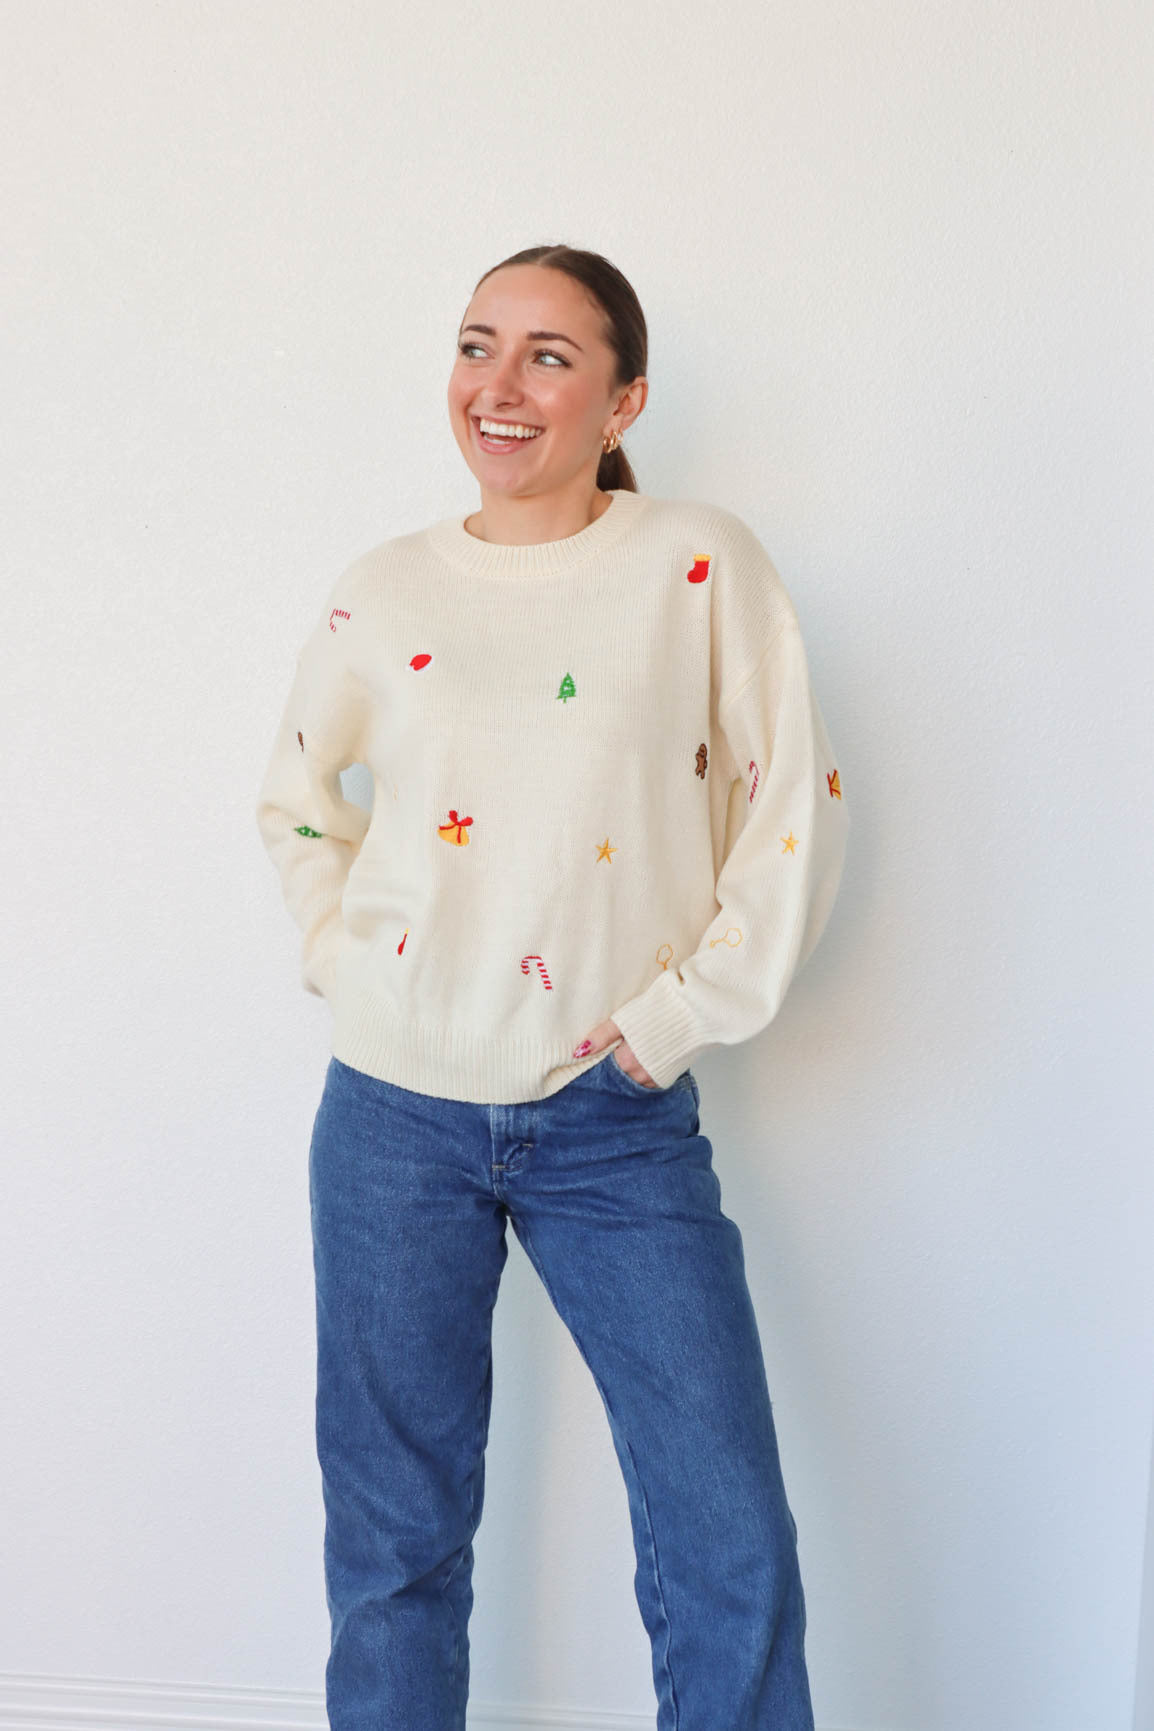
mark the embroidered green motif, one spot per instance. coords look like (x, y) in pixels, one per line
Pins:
(303, 829)
(568, 689)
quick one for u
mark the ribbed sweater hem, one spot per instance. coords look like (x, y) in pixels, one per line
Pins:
(449, 1063)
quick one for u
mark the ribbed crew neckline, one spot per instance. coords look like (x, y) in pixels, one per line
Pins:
(453, 542)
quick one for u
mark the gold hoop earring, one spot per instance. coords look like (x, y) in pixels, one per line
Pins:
(613, 442)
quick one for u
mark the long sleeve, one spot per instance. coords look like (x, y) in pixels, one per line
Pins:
(312, 833)
(777, 883)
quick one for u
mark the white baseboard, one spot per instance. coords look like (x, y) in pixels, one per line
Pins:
(38, 1703)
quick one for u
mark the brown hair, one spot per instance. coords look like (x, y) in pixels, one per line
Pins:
(625, 330)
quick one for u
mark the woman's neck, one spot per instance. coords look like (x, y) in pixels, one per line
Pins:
(525, 522)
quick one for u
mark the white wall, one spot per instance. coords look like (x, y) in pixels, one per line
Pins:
(897, 266)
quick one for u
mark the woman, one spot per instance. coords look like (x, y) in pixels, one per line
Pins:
(607, 830)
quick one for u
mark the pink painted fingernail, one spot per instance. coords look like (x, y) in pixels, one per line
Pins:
(585, 1046)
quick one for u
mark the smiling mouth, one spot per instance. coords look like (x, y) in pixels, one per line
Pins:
(492, 442)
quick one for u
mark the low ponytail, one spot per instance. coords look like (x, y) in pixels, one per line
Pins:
(615, 472)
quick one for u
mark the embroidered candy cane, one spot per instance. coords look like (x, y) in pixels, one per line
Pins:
(525, 960)
(753, 789)
(337, 613)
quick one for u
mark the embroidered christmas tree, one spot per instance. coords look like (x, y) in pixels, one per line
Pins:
(568, 689)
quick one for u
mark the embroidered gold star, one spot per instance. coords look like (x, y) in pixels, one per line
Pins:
(604, 851)
(790, 841)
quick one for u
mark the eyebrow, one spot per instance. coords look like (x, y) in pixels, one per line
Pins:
(533, 336)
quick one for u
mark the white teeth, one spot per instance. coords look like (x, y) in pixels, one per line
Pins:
(508, 430)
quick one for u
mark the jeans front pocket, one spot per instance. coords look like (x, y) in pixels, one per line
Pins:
(613, 1072)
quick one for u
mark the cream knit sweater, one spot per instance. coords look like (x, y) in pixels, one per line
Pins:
(602, 787)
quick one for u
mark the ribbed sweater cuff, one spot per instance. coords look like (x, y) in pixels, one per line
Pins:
(660, 1028)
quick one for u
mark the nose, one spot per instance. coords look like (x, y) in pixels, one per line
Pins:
(504, 386)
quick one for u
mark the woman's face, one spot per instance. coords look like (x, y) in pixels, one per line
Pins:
(508, 371)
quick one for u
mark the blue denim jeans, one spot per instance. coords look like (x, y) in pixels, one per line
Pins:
(612, 1194)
